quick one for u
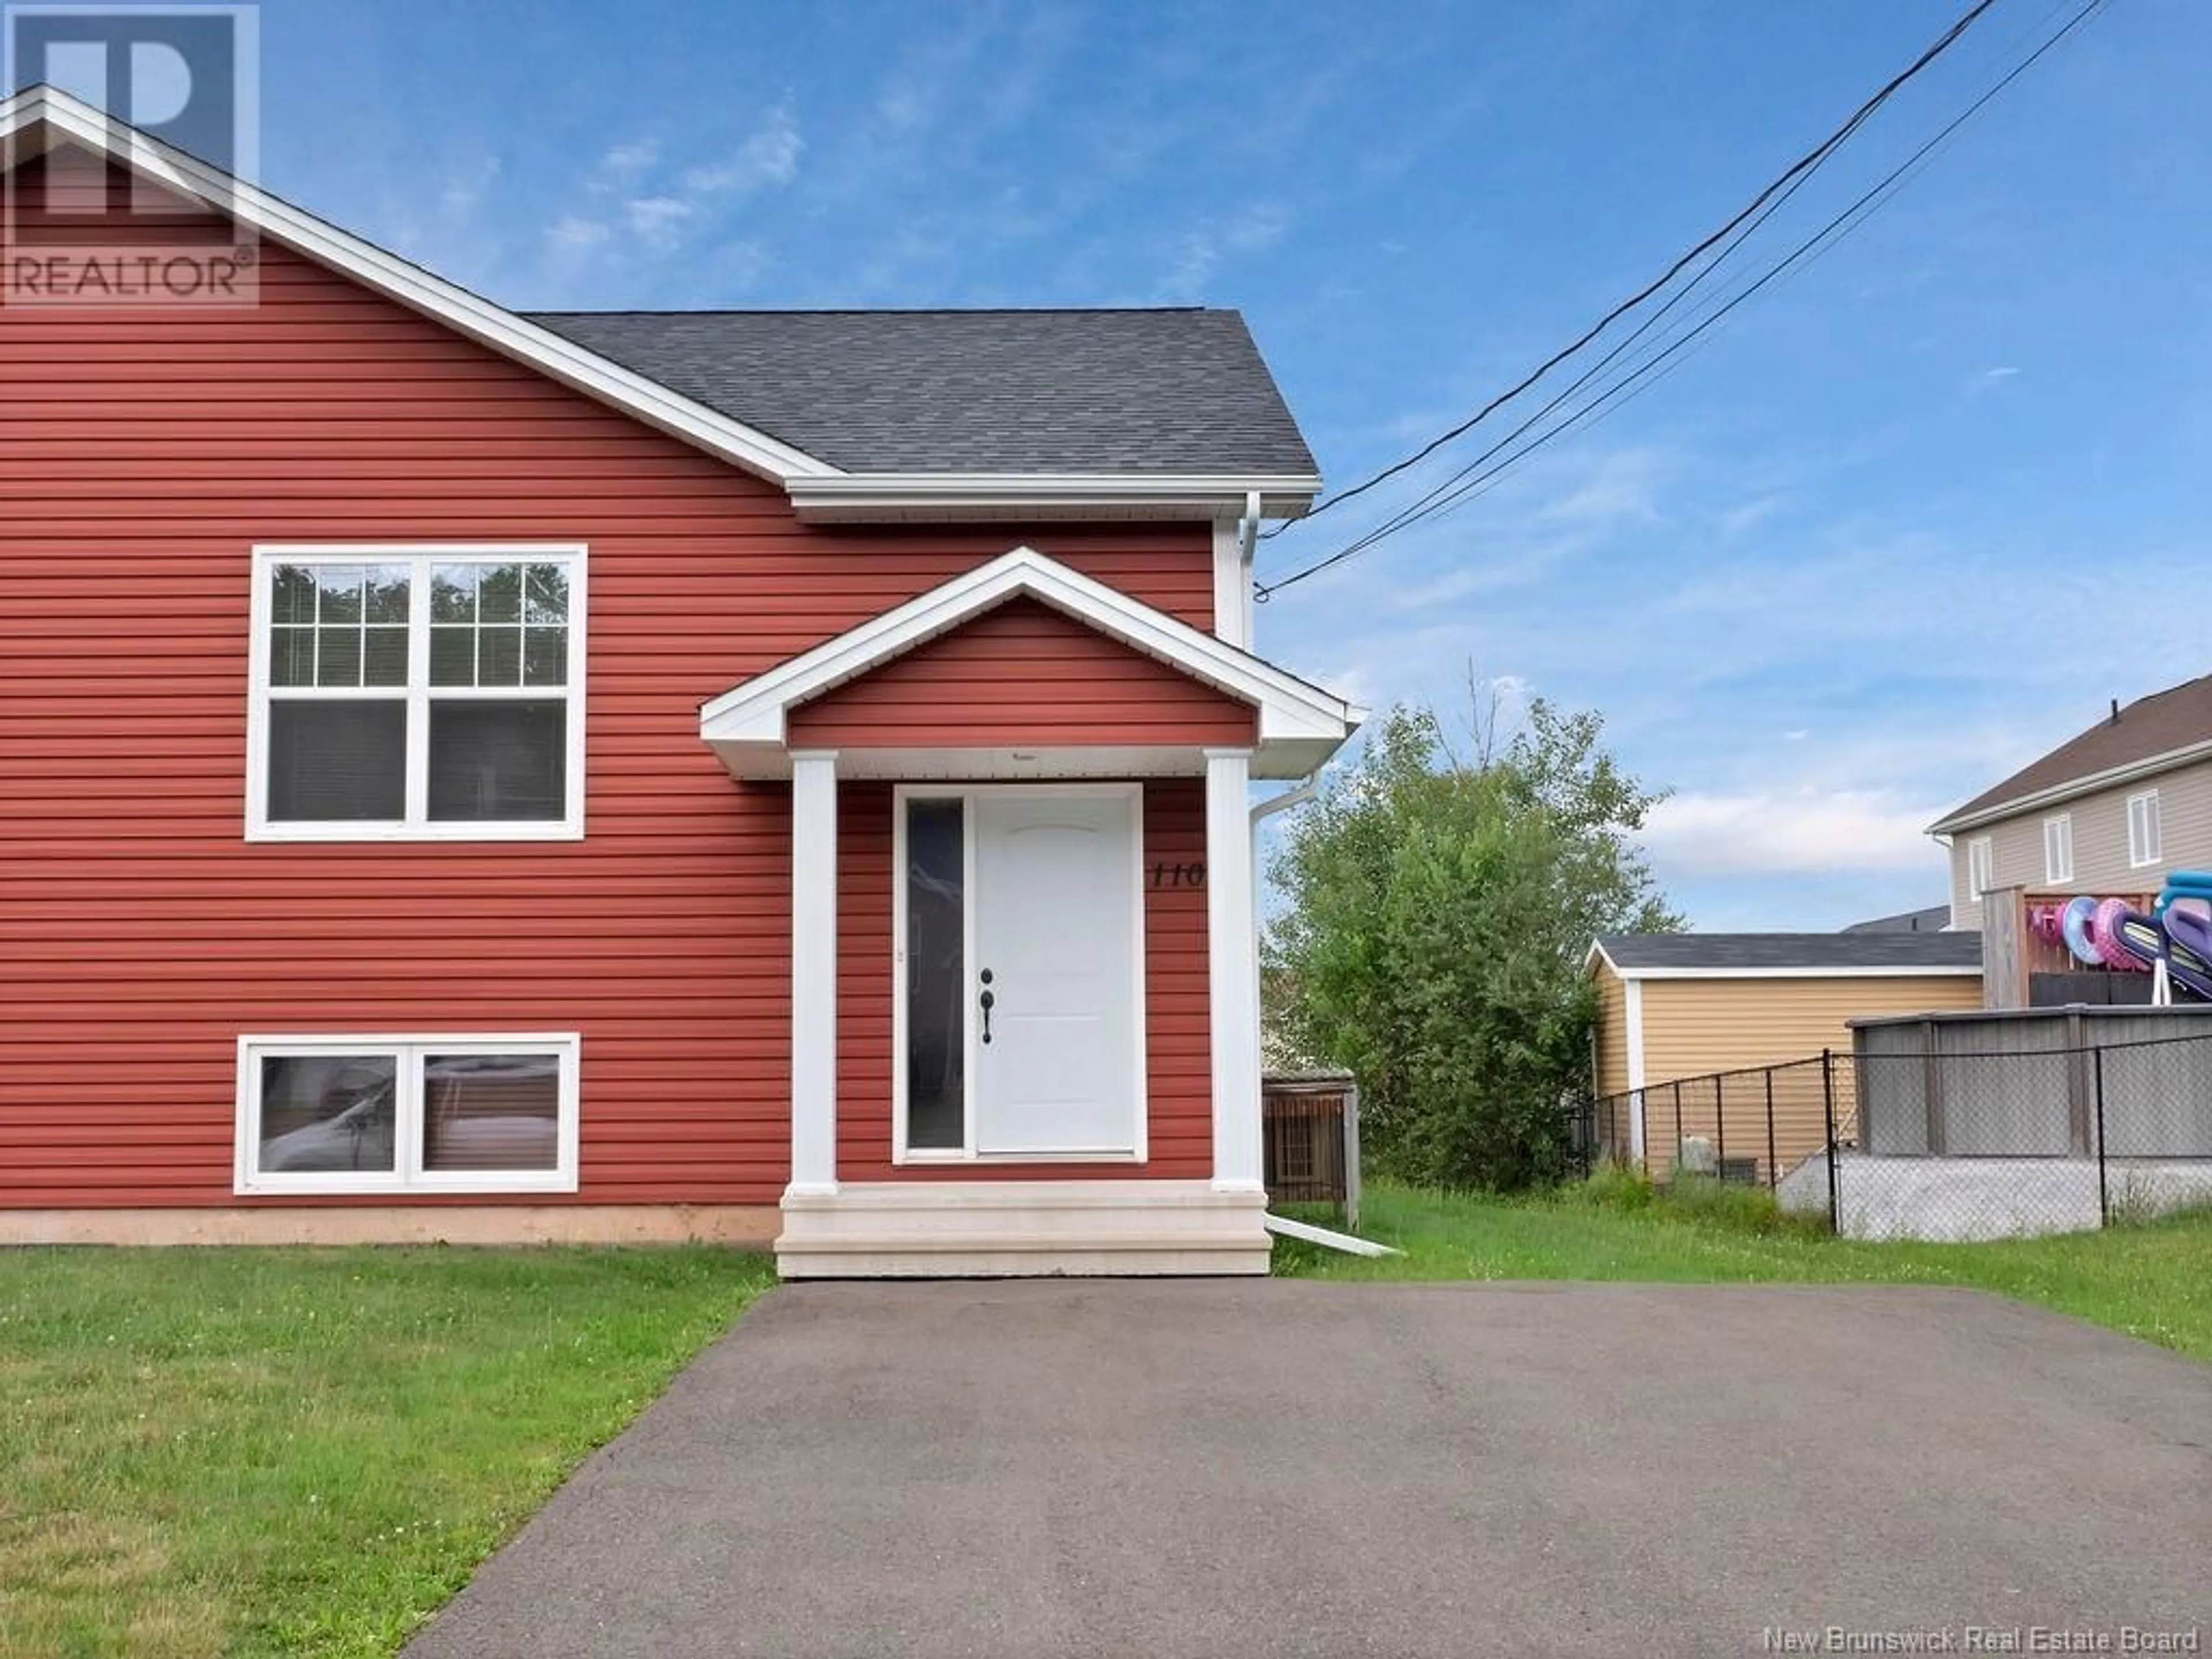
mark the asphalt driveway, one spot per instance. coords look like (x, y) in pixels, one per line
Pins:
(1237, 1468)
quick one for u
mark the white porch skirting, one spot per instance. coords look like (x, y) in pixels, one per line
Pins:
(1017, 1229)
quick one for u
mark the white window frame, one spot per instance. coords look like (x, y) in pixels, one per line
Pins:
(2150, 849)
(2057, 839)
(418, 695)
(408, 1176)
(1981, 867)
(967, 1153)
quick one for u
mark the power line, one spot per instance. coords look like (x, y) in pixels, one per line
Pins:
(1461, 485)
(1812, 159)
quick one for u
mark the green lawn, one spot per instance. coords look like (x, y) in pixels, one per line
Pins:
(252, 1452)
(2154, 1282)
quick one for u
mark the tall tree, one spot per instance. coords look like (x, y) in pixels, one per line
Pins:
(1440, 908)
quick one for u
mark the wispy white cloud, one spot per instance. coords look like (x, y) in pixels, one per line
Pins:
(1808, 831)
(649, 204)
(624, 161)
(463, 191)
(658, 221)
(768, 157)
(572, 234)
(1252, 229)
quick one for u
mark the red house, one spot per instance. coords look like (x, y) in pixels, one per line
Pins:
(742, 775)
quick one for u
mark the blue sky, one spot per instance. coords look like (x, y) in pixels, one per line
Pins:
(1904, 520)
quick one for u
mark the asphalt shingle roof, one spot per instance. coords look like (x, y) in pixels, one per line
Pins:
(1719, 952)
(1101, 392)
(2163, 721)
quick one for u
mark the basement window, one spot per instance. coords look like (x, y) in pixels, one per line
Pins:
(416, 693)
(467, 1114)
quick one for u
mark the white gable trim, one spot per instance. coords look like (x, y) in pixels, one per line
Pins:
(2073, 788)
(747, 725)
(66, 117)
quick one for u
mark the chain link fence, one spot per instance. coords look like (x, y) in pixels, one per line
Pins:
(1933, 1139)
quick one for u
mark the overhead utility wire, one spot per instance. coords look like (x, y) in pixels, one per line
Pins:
(1413, 510)
(1452, 490)
(1812, 158)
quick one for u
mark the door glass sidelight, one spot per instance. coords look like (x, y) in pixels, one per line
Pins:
(937, 989)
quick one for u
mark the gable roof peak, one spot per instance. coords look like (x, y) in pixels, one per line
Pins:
(2153, 733)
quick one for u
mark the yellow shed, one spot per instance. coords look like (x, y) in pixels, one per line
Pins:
(1676, 1007)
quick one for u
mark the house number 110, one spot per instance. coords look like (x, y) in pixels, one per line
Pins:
(1179, 875)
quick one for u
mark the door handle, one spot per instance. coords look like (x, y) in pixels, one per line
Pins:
(987, 999)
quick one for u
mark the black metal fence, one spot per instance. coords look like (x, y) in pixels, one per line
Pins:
(1936, 1142)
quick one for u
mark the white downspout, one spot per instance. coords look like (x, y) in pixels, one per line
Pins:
(1248, 550)
(1297, 795)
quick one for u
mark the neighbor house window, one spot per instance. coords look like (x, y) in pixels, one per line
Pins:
(2142, 829)
(1980, 878)
(407, 1114)
(2059, 848)
(434, 692)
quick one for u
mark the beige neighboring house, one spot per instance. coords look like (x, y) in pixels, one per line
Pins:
(2110, 811)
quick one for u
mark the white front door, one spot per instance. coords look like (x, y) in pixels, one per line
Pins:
(1055, 972)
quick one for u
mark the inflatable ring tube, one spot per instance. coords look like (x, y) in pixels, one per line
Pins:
(2188, 961)
(2182, 883)
(2104, 933)
(2142, 938)
(2073, 926)
(2187, 932)
(2046, 925)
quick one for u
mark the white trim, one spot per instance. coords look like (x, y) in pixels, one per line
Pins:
(409, 284)
(1231, 586)
(967, 1153)
(408, 1049)
(2155, 835)
(1981, 867)
(1598, 953)
(1633, 992)
(825, 498)
(2090, 783)
(1901, 970)
(814, 972)
(418, 692)
(1232, 973)
(747, 725)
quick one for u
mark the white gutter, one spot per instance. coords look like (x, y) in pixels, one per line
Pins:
(1136, 495)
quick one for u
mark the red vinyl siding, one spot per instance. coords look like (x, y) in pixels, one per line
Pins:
(142, 454)
(1178, 1082)
(1021, 673)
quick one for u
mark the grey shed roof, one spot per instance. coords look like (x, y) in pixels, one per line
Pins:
(1723, 952)
(1099, 391)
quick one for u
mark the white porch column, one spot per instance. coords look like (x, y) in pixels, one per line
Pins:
(1232, 947)
(813, 973)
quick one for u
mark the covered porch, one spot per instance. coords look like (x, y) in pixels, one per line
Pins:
(1024, 1019)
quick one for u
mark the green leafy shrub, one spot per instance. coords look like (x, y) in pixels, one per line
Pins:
(1440, 911)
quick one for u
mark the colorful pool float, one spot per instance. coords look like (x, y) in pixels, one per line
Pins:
(2073, 928)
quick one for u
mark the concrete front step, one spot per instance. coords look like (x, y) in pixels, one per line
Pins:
(1019, 1229)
